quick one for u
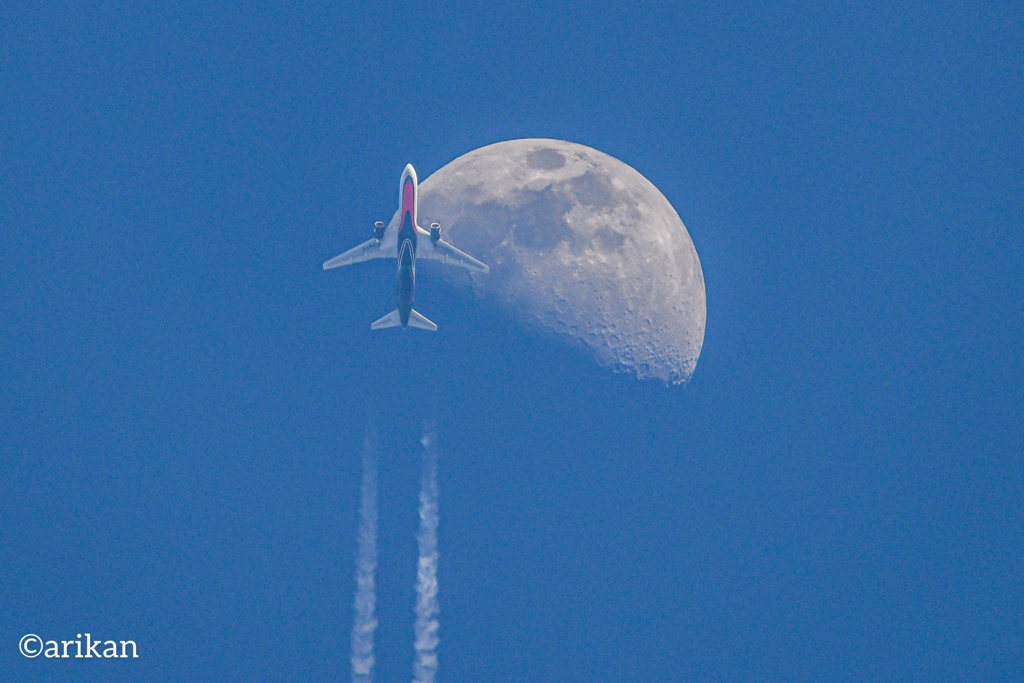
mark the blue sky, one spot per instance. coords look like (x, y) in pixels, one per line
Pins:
(836, 495)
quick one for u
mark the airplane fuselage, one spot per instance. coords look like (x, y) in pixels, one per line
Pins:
(407, 234)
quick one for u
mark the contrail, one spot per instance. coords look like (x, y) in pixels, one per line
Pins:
(365, 621)
(425, 666)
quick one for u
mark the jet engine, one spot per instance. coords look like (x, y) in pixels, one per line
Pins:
(378, 230)
(435, 232)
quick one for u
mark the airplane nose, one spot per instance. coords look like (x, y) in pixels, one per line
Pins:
(409, 170)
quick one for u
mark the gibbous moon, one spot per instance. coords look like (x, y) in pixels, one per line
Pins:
(578, 243)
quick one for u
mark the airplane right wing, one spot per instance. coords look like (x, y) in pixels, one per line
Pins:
(445, 252)
(370, 249)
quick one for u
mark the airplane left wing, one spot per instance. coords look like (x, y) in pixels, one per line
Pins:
(370, 249)
(442, 251)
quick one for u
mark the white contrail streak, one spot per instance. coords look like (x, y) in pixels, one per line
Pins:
(365, 621)
(425, 665)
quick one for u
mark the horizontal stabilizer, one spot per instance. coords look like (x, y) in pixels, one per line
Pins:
(418, 321)
(392, 319)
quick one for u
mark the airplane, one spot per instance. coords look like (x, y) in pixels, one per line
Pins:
(404, 244)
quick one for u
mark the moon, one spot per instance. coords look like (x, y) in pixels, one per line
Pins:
(579, 244)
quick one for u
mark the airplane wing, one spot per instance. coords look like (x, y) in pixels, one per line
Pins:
(442, 251)
(370, 249)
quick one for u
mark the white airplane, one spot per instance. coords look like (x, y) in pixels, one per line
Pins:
(403, 244)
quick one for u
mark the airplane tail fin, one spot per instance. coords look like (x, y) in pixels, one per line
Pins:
(393, 319)
(418, 321)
